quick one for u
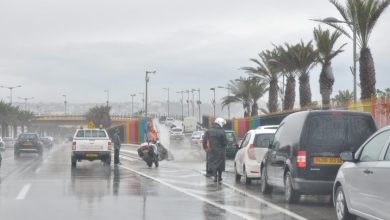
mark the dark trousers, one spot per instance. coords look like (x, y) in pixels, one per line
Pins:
(116, 155)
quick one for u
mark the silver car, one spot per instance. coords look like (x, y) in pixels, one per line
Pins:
(362, 184)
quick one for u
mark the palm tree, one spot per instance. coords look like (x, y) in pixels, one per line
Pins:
(344, 97)
(305, 58)
(285, 60)
(257, 88)
(246, 91)
(325, 42)
(362, 15)
(269, 71)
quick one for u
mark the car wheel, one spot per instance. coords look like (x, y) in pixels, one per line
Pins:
(247, 180)
(238, 176)
(265, 188)
(291, 195)
(341, 206)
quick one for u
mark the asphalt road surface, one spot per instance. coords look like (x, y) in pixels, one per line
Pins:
(48, 188)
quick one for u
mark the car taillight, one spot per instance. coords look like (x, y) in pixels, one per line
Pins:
(251, 152)
(74, 145)
(301, 159)
(109, 145)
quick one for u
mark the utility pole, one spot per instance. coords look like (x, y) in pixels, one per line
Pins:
(168, 98)
(132, 104)
(146, 90)
(65, 103)
(10, 91)
(193, 102)
(25, 101)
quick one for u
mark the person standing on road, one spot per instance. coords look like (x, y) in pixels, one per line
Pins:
(117, 147)
(214, 142)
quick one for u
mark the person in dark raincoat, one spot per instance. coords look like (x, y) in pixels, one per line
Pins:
(215, 142)
(117, 146)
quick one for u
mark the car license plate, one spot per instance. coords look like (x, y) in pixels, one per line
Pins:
(27, 144)
(91, 155)
(327, 160)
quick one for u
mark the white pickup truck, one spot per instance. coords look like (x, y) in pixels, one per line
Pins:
(91, 144)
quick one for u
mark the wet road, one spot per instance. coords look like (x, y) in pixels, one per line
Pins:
(48, 188)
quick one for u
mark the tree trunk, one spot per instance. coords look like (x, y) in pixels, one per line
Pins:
(289, 96)
(273, 96)
(15, 130)
(304, 90)
(367, 74)
(326, 84)
(255, 109)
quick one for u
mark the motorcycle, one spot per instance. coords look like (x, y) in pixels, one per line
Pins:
(149, 153)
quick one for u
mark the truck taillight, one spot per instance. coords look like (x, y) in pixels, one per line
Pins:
(301, 159)
(74, 145)
(109, 145)
(251, 152)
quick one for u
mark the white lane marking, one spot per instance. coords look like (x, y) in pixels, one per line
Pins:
(127, 158)
(186, 183)
(234, 212)
(37, 170)
(278, 208)
(23, 192)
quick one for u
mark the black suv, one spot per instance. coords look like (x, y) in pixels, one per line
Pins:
(305, 155)
(28, 143)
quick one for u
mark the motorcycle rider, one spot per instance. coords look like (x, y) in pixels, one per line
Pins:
(215, 142)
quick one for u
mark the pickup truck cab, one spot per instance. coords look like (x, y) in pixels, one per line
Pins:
(91, 144)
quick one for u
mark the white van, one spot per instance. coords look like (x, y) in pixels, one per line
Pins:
(189, 124)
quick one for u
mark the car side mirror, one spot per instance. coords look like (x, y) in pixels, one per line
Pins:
(347, 156)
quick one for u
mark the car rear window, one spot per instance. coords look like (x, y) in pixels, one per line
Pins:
(177, 130)
(263, 140)
(28, 136)
(339, 132)
(91, 134)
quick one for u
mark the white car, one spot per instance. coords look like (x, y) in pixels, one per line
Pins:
(196, 137)
(2, 144)
(9, 142)
(169, 122)
(176, 133)
(251, 153)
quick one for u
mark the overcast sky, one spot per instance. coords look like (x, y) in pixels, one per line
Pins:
(82, 47)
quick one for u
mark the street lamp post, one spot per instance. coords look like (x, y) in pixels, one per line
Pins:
(65, 103)
(10, 91)
(168, 98)
(193, 102)
(198, 102)
(188, 102)
(143, 101)
(330, 20)
(182, 104)
(228, 89)
(213, 89)
(146, 90)
(108, 96)
(132, 104)
(25, 101)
